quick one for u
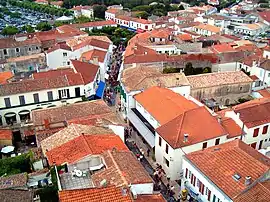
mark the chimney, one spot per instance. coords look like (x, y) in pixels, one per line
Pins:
(185, 137)
(134, 47)
(95, 60)
(248, 180)
(219, 119)
(238, 115)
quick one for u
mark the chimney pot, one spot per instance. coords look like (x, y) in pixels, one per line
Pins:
(248, 180)
(185, 137)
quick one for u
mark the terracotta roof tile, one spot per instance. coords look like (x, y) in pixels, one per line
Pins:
(71, 132)
(254, 77)
(265, 92)
(208, 27)
(163, 104)
(220, 163)
(112, 10)
(254, 113)
(53, 73)
(84, 145)
(12, 43)
(120, 173)
(87, 70)
(12, 195)
(218, 79)
(105, 194)
(191, 122)
(185, 37)
(260, 192)
(138, 78)
(94, 24)
(150, 198)
(66, 113)
(90, 55)
(13, 181)
(5, 134)
(222, 48)
(265, 15)
(232, 129)
(4, 76)
(41, 84)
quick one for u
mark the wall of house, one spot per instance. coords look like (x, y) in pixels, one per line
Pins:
(57, 59)
(174, 156)
(118, 130)
(262, 74)
(43, 101)
(186, 183)
(146, 188)
(109, 16)
(4, 143)
(266, 54)
(224, 67)
(88, 13)
(225, 94)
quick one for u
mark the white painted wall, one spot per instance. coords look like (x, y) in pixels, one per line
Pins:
(225, 67)
(118, 130)
(57, 59)
(207, 183)
(146, 188)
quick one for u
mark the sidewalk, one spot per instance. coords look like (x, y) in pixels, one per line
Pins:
(139, 142)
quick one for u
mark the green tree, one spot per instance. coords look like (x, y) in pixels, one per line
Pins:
(28, 29)
(207, 70)
(44, 26)
(99, 11)
(82, 19)
(10, 30)
(181, 7)
(189, 70)
(142, 14)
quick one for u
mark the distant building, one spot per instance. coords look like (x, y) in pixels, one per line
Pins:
(86, 11)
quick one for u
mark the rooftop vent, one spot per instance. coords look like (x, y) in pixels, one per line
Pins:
(185, 137)
(248, 180)
(236, 177)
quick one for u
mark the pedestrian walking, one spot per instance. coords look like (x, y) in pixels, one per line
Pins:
(148, 152)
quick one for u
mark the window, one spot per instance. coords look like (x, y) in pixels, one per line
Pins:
(29, 49)
(186, 174)
(217, 141)
(50, 95)
(166, 162)
(198, 183)
(63, 93)
(17, 50)
(201, 189)
(256, 132)
(194, 181)
(77, 92)
(159, 141)
(189, 174)
(167, 149)
(22, 100)
(36, 48)
(241, 88)
(214, 198)
(64, 54)
(5, 51)
(265, 129)
(68, 63)
(36, 98)
(204, 145)
(7, 102)
(268, 74)
(260, 145)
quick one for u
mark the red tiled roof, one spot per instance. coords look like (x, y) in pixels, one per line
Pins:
(220, 163)
(90, 55)
(232, 129)
(208, 27)
(265, 93)
(265, 15)
(53, 73)
(41, 84)
(81, 7)
(87, 70)
(112, 10)
(4, 76)
(222, 48)
(104, 194)
(254, 77)
(191, 122)
(82, 146)
(260, 192)
(58, 46)
(12, 43)
(255, 112)
(122, 169)
(5, 134)
(150, 198)
(163, 104)
(57, 3)
(95, 24)
(185, 37)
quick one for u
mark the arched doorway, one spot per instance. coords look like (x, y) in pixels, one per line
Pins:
(10, 118)
(24, 115)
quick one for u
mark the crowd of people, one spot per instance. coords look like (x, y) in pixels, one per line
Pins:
(111, 81)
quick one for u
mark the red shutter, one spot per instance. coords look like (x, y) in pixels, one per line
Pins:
(191, 178)
(256, 132)
(209, 195)
(265, 129)
(186, 173)
(194, 181)
(202, 188)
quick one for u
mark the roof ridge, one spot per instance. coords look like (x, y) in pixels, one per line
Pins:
(117, 167)
(180, 129)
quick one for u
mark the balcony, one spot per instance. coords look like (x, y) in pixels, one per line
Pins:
(142, 126)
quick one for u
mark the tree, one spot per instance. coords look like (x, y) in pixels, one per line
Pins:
(206, 70)
(99, 11)
(189, 70)
(44, 26)
(10, 30)
(28, 29)
(82, 19)
(142, 14)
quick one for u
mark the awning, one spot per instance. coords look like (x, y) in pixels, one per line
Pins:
(100, 89)
(24, 112)
(10, 114)
(7, 149)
